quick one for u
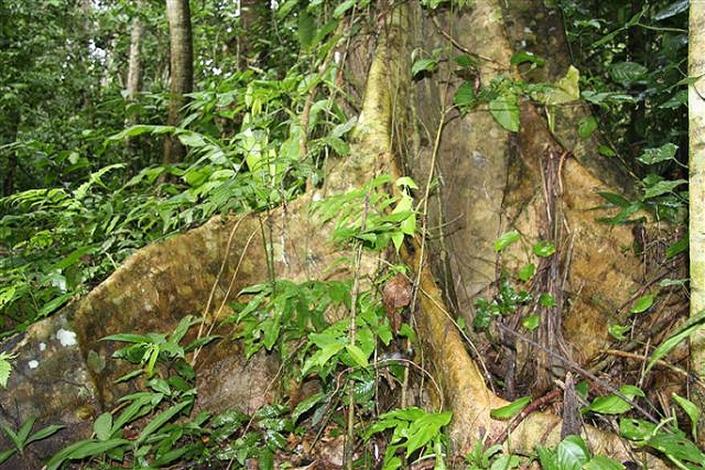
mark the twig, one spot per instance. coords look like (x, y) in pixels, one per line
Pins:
(638, 357)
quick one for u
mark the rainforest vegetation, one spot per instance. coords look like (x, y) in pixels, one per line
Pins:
(352, 234)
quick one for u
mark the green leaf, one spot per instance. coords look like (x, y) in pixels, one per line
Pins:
(510, 410)
(5, 368)
(606, 151)
(6, 454)
(526, 56)
(612, 404)
(587, 126)
(544, 249)
(306, 29)
(424, 65)
(406, 182)
(160, 420)
(44, 433)
(341, 9)
(505, 240)
(547, 300)
(677, 248)
(306, 405)
(465, 97)
(642, 304)
(505, 110)
(615, 199)
(357, 355)
(618, 331)
(664, 153)
(425, 428)
(83, 449)
(679, 6)
(572, 453)
(662, 187)
(693, 412)
(627, 73)
(505, 462)
(676, 446)
(103, 426)
(531, 322)
(24, 431)
(690, 327)
(526, 272)
(600, 462)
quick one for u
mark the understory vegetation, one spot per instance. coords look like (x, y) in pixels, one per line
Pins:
(277, 99)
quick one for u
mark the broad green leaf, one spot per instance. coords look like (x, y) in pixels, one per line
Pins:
(424, 65)
(606, 151)
(306, 405)
(636, 429)
(505, 462)
(587, 126)
(612, 404)
(642, 304)
(505, 110)
(572, 453)
(306, 29)
(544, 249)
(357, 355)
(103, 426)
(425, 428)
(693, 412)
(600, 462)
(510, 410)
(617, 331)
(406, 182)
(526, 56)
(465, 97)
(526, 272)
(531, 322)
(677, 447)
(678, 6)
(690, 327)
(547, 458)
(547, 300)
(655, 155)
(627, 73)
(662, 187)
(505, 240)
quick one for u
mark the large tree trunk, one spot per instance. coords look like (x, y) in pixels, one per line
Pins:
(696, 111)
(181, 65)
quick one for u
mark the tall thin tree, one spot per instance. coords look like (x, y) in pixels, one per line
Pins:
(181, 65)
(696, 118)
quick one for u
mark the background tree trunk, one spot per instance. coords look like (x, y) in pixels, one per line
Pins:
(181, 53)
(134, 72)
(696, 111)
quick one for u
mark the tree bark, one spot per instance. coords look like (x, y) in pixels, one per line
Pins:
(8, 181)
(696, 117)
(181, 64)
(134, 71)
